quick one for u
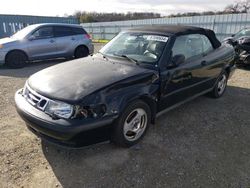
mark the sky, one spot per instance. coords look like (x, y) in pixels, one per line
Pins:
(63, 7)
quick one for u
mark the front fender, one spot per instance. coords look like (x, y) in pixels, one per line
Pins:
(117, 96)
(148, 94)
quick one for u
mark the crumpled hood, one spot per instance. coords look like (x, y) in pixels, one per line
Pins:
(73, 80)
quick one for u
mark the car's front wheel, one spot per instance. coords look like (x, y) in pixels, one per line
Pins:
(131, 126)
(220, 86)
(16, 59)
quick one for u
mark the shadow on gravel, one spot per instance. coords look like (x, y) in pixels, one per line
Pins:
(204, 143)
(29, 69)
(243, 67)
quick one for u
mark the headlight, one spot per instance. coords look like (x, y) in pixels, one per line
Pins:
(59, 109)
(1, 46)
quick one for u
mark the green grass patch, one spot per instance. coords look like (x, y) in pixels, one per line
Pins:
(100, 40)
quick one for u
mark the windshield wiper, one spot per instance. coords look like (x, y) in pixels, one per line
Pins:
(127, 57)
(103, 55)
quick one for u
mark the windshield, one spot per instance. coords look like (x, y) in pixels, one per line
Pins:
(242, 33)
(142, 48)
(24, 32)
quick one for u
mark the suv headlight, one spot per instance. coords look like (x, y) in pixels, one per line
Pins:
(59, 109)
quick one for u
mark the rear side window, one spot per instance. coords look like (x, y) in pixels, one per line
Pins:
(78, 31)
(62, 31)
(207, 46)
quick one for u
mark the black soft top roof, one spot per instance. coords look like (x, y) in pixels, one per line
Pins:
(178, 30)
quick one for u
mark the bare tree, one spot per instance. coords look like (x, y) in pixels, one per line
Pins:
(245, 6)
(233, 8)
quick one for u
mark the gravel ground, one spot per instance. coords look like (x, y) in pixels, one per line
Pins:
(204, 143)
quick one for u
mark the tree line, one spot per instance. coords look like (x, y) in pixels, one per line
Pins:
(85, 17)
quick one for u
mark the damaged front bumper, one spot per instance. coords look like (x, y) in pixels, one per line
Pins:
(60, 131)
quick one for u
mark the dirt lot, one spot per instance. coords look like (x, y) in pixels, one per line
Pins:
(204, 143)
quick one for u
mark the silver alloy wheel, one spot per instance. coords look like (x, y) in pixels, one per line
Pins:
(135, 124)
(222, 84)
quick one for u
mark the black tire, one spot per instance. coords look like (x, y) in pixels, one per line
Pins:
(126, 138)
(81, 51)
(220, 89)
(16, 59)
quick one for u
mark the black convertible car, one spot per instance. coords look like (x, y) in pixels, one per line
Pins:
(138, 75)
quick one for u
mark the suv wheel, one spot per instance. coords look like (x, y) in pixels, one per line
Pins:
(81, 51)
(220, 86)
(131, 126)
(16, 60)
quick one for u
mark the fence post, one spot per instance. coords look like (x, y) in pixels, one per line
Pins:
(214, 22)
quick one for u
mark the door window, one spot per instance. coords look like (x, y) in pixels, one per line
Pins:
(61, 31)
(44, 32)
(192, 46)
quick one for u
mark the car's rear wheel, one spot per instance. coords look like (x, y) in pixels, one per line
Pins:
(131, 126)
(16, 59)
(220, 86)
(81, 51)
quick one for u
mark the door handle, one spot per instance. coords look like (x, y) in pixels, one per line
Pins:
(204, 63)
(52, 41)
(73, 38)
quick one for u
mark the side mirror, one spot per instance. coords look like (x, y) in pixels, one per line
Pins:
(178, 59)
(32, 37)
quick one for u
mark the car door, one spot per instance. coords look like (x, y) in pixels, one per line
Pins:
(42, 44)
(182, 82)
(66, 40)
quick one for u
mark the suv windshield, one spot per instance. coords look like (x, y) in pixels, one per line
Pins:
(142, 48)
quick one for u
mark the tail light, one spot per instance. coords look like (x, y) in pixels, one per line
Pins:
(88, 36)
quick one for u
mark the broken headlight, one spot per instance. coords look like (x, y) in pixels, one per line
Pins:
(59, 109)
(90, 111)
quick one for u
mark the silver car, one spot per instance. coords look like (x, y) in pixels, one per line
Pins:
(45, 41)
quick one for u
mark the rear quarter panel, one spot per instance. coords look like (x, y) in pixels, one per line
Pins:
(221, 58)
(83, 40)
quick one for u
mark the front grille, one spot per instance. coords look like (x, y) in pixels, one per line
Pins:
(34, 98)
